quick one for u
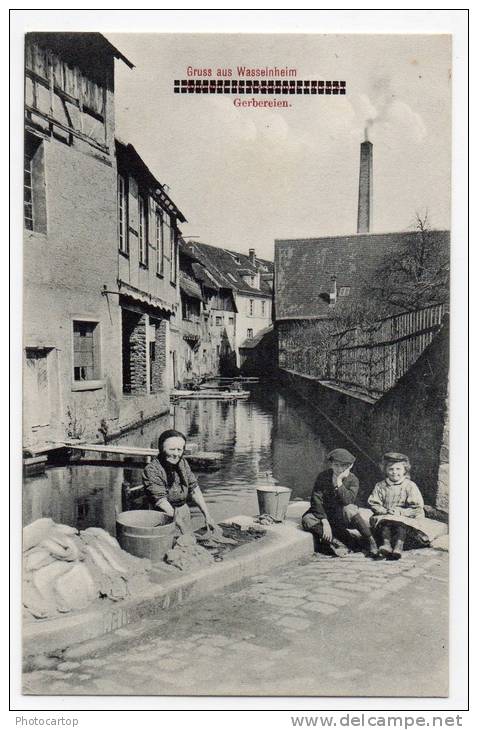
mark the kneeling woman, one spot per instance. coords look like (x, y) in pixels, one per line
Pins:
(170, 483)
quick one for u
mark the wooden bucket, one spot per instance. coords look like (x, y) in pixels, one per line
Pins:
(145, 533)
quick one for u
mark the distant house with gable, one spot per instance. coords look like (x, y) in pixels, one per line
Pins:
(248, 280)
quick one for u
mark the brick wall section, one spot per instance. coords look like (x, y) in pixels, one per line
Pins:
(158, 369)
(364, 218)
(137, 356)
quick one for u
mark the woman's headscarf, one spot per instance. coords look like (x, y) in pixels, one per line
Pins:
(170, 433)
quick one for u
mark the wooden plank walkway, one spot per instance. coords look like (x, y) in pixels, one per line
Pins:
(198, 458)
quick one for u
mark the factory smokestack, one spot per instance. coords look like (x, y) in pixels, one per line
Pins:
(364, 217)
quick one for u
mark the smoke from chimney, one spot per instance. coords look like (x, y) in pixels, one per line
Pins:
(364, 217)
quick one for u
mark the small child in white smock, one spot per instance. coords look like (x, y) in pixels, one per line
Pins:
(397, 505)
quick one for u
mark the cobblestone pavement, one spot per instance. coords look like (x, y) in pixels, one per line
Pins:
(324, 626)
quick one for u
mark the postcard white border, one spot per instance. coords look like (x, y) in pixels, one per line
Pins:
(270, 21)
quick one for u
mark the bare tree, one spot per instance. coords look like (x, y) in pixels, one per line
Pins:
(417, 275)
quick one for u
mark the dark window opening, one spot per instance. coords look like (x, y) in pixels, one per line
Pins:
(191, 308)
(143, 230)
(159, 243)
(157, 354)
(152, 360)
(123, 214)
(174, 254)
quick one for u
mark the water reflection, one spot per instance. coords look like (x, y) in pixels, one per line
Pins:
(273, 438)
(85, 496)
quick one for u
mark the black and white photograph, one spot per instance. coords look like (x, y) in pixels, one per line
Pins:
(235, 364)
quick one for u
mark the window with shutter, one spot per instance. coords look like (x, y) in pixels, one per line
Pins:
(86, 355)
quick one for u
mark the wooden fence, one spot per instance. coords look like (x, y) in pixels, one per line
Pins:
(376, 357)
(372, 357)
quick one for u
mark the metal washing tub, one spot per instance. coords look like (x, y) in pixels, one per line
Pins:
(145, 533)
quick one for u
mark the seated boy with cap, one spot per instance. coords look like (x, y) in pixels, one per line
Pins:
(333, 506)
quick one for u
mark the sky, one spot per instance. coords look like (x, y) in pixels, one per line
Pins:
(244, 177)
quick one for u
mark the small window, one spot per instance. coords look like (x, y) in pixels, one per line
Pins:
(218, 350)
(159, 242)
(174, 253)
(263, 308)
(218, 321)
(28, 190)
(344, 291)
(250, 334)
(123, 214)
(143, 230)
(231, 320)
(251, 307)
(34, 191)
(86, 351)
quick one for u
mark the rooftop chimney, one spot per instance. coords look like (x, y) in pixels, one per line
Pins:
(252, 256)
(333, 291)
(364, 217)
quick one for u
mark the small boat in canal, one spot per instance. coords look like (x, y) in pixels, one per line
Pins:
(209, 394)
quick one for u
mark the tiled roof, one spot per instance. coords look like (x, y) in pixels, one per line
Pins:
(87, 44)
(251, 342)
(135, 164)
(204, 276)
(226, 267)
(189, 286)
(304, 268)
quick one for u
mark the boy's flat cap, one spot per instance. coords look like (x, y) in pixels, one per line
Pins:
(394, 456)
(342, 456)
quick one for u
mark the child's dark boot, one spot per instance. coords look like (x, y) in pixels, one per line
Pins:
(396, 554)
(338, 549)
(372, 548)
(385, 550)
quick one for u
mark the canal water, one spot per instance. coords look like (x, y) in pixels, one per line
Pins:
(271, 439)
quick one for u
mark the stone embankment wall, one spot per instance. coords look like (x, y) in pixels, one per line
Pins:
(412, 417)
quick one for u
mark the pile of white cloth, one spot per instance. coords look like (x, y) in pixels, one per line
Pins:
(65, 570)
